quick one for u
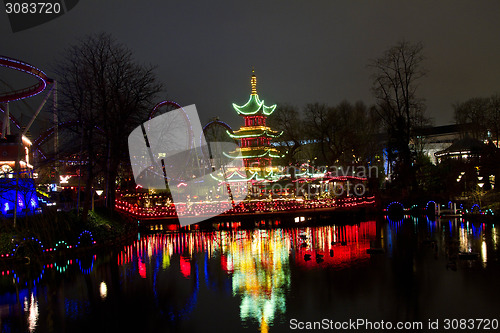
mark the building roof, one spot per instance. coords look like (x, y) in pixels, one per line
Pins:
(253, 152)
(254, 132)
(445, 129)
(254, 104)
(466, 145)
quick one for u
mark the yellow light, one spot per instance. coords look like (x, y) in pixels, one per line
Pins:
(103, 290)
(26, 141)
(484, 252)
(253, 83)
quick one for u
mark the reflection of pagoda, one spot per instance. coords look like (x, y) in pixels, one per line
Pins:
(255, 137)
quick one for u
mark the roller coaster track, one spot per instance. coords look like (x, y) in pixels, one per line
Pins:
(12, 118)
(14, 95)
(49, 133)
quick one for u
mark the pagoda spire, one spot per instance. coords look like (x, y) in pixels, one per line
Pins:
(253, 83)
(255, 136)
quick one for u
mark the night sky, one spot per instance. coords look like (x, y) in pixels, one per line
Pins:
(302, 51)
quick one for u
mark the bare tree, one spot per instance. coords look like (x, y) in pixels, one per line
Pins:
(494, 116)
(320, 130)
(474, 114)
(481, 117)
(395, 82)
(108, 94)
(287, 119)
(344, 134)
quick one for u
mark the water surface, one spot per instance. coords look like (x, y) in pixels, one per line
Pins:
(259, 280)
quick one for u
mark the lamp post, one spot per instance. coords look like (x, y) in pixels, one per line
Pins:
(462, 174)
(99, 192)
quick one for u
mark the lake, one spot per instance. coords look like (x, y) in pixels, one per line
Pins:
(268, 280)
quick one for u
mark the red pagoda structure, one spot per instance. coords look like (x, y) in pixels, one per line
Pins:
(254, 138)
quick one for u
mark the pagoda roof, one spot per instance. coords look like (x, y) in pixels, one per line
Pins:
(254, 106)
(235, 176)
(254, 152)
(254, 131)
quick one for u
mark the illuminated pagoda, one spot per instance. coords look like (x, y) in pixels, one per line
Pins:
(254, 138)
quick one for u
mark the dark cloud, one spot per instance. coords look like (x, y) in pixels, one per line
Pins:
(302, 51)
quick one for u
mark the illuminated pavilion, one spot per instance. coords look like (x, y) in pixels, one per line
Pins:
(254, 138)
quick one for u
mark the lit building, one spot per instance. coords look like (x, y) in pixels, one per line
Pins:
(255, 136)
(466, 149)
(12, 149)
(16, 148)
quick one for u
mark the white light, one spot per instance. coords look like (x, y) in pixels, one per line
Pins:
(26, 141)
(99, 192)
(33, 313)
(103, 289)
(64, 179)
(484, 252)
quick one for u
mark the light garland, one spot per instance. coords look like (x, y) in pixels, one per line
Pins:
(265, 133)
(268, 152)
(237, 180)
(395, 203)
(202, 208)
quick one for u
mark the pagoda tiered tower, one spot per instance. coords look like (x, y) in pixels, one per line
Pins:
(255, 136)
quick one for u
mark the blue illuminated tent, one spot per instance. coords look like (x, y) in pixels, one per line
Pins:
(27, 200)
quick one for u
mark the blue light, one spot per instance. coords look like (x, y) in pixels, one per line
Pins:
(27, 200)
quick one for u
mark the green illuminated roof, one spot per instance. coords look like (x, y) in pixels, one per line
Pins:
(253, 106)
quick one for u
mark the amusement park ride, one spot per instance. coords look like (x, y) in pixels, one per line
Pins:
(244, 175)
(18, 195)
(207, 150)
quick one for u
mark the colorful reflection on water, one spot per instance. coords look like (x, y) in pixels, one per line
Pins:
(251, 277)
(257, 262)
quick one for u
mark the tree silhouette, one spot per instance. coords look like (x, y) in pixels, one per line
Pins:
(108, 94)
(395, 81)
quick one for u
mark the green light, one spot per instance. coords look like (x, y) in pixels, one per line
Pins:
(61, 269)
(255, 156)
(235, 180)
(267, 110)
(253, 106)
(61, 243)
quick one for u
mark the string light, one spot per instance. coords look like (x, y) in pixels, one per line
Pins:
(57, 246)
(202, 208)
(264, 133)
